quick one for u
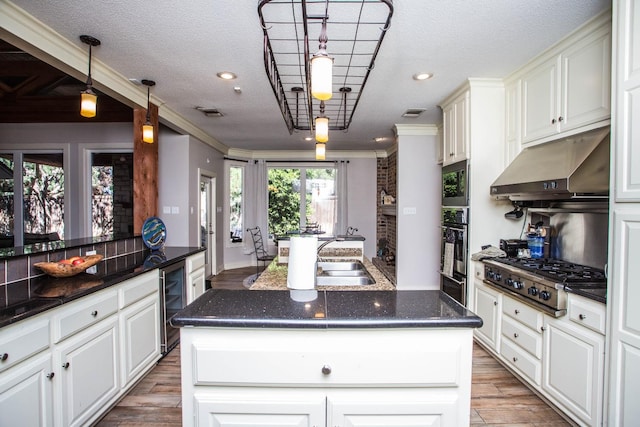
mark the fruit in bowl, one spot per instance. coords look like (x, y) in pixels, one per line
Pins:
(69, 266)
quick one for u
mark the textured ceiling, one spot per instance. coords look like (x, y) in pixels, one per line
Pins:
(182, 45)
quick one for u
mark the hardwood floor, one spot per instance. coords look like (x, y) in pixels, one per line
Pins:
(497, 397)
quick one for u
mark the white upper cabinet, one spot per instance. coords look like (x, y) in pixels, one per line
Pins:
(455, 120)
(566, 88)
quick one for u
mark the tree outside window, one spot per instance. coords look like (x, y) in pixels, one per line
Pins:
(236, 186)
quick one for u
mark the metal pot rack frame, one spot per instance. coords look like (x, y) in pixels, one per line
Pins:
(355, 35)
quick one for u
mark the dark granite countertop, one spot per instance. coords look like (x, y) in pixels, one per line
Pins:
(596, 293)
(49, 292)
(326, 309)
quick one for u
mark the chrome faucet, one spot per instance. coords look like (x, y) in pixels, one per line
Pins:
(334, 239)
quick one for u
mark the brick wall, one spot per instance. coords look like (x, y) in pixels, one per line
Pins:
(386, 180)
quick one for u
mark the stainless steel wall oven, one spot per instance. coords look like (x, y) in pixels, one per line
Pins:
(453, 263)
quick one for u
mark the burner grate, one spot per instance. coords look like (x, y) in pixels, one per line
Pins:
(557, 270)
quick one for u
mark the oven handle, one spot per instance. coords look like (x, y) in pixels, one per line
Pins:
(444, 227)
(461, 283)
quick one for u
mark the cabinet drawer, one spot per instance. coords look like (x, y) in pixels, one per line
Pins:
(79, 315)
(523, 313)
(522, 361)
(585, 312)
(23, 340)
(195, 261)
(318, 358)
(139, 287)
(522, 336)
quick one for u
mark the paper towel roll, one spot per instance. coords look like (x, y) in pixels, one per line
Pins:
(303, 254)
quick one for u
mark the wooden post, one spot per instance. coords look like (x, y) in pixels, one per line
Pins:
(145, 169)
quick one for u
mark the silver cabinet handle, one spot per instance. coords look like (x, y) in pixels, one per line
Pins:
(495, 303)
(94, 313)
(515, 359)
(515, 335)
(326, 370)
(65, 365)
(51, 375)
(517, 311)
(4, 357)
(582, 316)
(560, 119)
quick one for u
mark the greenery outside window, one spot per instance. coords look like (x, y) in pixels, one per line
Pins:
(302, 199)
(43, 195)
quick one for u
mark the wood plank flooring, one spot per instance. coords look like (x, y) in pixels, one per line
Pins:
(497, 397)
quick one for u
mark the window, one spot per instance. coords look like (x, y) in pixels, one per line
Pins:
(302, 198)
(236, 203)
(111, 193)
(43, 191)
(6, 200)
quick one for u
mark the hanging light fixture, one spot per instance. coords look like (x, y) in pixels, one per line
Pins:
(320, 150)
(88, 98)
(321, 68)
(147, 128)
(322, 125)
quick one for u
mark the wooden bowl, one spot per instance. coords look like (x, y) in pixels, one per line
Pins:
(55, 269)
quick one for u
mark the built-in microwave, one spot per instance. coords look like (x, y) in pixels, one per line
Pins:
(455, 184)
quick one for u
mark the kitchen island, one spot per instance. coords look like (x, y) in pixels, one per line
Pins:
(316, 358)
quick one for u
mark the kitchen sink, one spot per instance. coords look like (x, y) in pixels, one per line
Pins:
(343, 273)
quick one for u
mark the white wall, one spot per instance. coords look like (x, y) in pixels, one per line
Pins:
(418, 208)
(173, 186)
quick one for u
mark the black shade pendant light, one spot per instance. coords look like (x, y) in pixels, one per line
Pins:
(88, 98)
(147, 128)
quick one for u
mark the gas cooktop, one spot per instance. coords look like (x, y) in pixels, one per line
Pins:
(557, 270)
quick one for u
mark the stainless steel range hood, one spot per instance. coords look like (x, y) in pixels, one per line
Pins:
(574, 167)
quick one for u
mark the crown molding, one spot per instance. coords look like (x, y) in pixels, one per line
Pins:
(427, 129)
(34, 37)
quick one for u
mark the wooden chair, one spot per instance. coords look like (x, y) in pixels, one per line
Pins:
(261, 253)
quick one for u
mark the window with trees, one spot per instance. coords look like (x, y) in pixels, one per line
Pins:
(302, 198)
(236, 203)
(43, 195)
(6, 200)
(111, 193)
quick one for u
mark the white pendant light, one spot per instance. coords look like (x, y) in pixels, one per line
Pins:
(320, 150)
(322, 69)
(88, 98)
(147, 128)
(322, 129)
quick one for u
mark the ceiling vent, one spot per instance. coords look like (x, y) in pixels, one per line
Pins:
(413, 112)
(210, 112)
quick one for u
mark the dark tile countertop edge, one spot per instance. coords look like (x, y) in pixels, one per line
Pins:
(41, 247)
(329, 309)
(39, 304)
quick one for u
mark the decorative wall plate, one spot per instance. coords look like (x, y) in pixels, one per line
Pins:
(154, 233)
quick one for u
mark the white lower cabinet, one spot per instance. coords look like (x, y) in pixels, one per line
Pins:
(66, 366)
(561, 358)
(574, 368)
(89, 374)
(306, 377)
(488, 305)
(195, 276)
(26, 393)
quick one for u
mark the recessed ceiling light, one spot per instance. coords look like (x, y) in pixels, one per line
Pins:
(226, 75)
(422, 76)
(308, 138)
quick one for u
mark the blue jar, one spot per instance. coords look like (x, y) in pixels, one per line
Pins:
(536, 246)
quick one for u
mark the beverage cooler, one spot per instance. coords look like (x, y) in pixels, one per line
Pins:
(172, 291)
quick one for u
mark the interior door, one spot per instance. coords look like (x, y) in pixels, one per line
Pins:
(208, 221)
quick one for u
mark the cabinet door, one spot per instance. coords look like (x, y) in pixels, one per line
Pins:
(398, 408)
(89, 372)
(243, 407)
(26, 393)
(461, 141)
(195, 285)
(540, 101)
(513, 119)
(574, 368)
(448, 134)
(140, 337)
(586, 81)
(488, 307)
